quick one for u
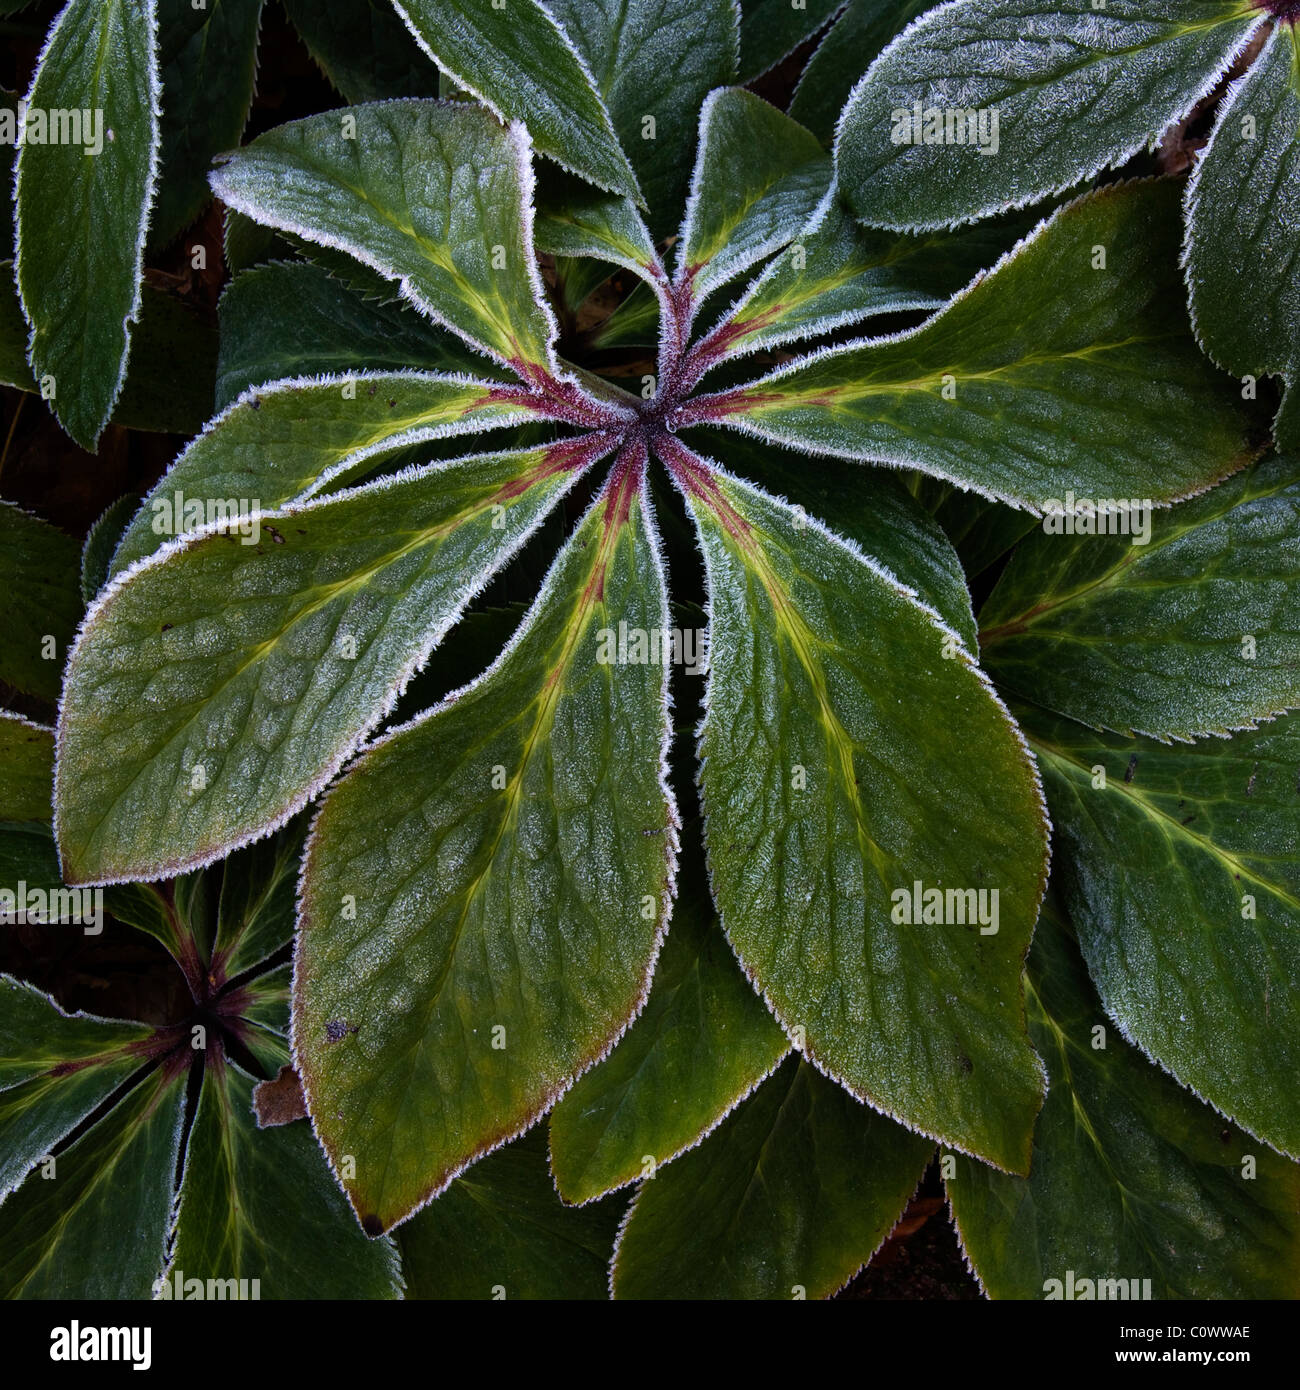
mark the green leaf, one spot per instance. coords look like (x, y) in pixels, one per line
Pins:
(871, 508)
(38, 575)
(702, 1043)
(484, 892)
(26, 768)
(55, 1069)
(246, 244)
(758, 178)
(287, 441)
(14, 367)
(283, 320)
(789, 1198)
(364, 49)
(434, 195)
(1196, 631)
(863, 28)
(8, 153)
(1132, 1177)
(1047, 374)
(1075, 89)
(370, 284)
(82, 211)
(260, 1204)
(1183, 880)
(655, 61)
(1243, 222)
(577, 278)
(981, 531)
(255, 916)
(520, 63)
(574, 220)
(635, 323)
(208, 58)
(163, 911)
(500, 1231)
(770, 29)
(96, 1229)
(168, 386)
(838, 273)
(834, 765)
(263, 1016)
(27, 854)
(218, 686)
(101, 541)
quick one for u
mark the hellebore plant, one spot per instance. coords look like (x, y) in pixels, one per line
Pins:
(491, 919)
(136, 1199)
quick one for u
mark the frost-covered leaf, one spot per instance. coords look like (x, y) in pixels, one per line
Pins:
(288, 440)
(521, 64)
(27, 855)
(702, 1043)
(96, 1228)
(26, 768)
(168, 386)
(1243, 226)
(837, 272)
(431, 194)
(261, 1204)
(169, 913)
(500, 1230)
(576, 220)
(788, 1198)
(55, 1069)
(208, 59)
(15, 370)
(101, 541)
(635, 323)
(654, 62)
(8, 106)
(1072, 86)
(255, 914)
(577, 278)
(982, 531)
(835, 762)
(283, 320)
(263, 1016)
(758, 178)
(1182, 876)
(1045, 375)
(1132, 1178)
(83, 204)
(38, 576)
(862, 29)
(1195, 631)
(769, 29)
(216, 688)
(484, 892)
(872, 508)
(364, 49)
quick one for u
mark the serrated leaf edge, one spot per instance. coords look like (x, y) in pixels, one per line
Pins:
(634, 189)
(738, 421)
(936, 18)
(517, 138)
(154, 95)
(416, 434)
(1030, 762)
(671, 847)
(313, 788)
